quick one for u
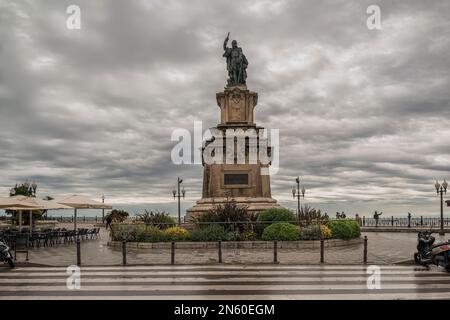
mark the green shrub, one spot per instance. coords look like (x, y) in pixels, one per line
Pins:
(154, 234)
(311, 232)
(315, 232)
(176, 233)
(344, 229)
(123, 232)
(248, 236)
(209, 233)
(273, 215)
(309, 215)
(281, 231)
(158, 219)
(235, 217)
(233, 236)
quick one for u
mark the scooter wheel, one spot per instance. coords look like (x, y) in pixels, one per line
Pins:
(11, 263)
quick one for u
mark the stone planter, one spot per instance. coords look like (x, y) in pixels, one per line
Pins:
(239, 244)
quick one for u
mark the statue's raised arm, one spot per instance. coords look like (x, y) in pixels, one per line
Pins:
(226, 42)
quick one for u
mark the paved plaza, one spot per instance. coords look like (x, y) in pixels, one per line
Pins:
(383, 248)
(245, 274)
(225, 282)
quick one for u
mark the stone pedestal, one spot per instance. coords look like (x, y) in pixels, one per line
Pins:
(232, 161)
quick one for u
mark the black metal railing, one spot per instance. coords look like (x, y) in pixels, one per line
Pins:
(403, 222)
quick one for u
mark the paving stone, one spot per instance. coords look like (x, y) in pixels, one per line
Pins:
(383, 248)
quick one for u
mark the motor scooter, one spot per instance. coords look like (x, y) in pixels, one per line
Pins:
(430, 253)
(5, 254)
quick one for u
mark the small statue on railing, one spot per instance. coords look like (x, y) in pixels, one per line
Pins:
(376, 216)
(340, 215)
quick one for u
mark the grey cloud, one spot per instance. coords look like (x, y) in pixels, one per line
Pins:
(362, 114)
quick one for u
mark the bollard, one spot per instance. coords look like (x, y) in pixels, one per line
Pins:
(124, 252)
(322, 251)
(172, 253)
(219, 243)
(96, 221)
(275, 252)
(365, 249)
(392, 220)
(421, 221)
(84, 218)
(364, 220)
(78, 252)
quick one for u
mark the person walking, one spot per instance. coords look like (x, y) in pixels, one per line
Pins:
(108, 222)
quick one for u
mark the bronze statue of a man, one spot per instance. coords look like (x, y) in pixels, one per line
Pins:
(236, 63)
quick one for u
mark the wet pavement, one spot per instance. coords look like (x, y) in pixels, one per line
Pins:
(225, 281)
(383, 248)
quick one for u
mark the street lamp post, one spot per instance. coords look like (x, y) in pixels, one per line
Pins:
(177, 193)
(103, 210)
(296, 193)
(441, 189)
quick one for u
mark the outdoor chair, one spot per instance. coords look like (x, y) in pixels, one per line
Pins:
(21, 244)
(83, 234)
(92, 233)
(68, 236)
(34, 240)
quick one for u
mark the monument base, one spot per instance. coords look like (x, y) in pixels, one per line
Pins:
(253, 205)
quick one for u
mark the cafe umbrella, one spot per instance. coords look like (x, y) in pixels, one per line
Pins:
(35, 205)
(80, 202)
(18, 203)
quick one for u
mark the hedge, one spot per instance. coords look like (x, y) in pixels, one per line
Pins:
(212, 232)
(273, 215)
(344, 229)
(281, 231)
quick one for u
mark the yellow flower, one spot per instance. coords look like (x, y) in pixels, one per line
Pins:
(325, 231)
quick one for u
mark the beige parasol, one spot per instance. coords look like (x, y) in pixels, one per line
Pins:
(33, 204)
(80, 202)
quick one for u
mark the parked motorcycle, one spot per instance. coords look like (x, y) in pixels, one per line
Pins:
(5, 254)
(430, 253)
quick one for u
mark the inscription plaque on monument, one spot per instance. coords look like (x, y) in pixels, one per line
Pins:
(235, 178)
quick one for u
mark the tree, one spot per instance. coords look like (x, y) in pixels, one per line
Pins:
(118, 215)
(25, 189)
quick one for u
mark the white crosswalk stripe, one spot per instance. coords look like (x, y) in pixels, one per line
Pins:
(225, 282)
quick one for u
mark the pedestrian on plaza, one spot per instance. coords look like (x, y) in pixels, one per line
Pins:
(108, 222)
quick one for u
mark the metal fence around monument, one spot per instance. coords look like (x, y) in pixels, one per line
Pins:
(273, 251)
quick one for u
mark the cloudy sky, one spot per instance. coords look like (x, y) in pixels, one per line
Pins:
(363, 114)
